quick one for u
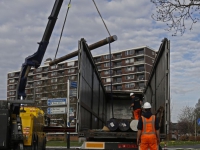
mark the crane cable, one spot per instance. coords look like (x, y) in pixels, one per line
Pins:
(109, 54)
(69, 5)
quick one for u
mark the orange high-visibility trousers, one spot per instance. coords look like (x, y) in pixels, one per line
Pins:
(148, 141)
(136, 114)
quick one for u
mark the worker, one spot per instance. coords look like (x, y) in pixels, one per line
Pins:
(148, 135)
(136, 104)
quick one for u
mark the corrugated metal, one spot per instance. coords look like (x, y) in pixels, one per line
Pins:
(91, 93)
(157, 89)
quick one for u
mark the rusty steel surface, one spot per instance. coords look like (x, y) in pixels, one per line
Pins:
(59, 129)
(91, 47)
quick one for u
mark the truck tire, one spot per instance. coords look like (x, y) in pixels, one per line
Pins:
(44, 145)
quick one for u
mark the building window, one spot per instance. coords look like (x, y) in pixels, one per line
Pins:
(72, 77)
(108, 88)
(12, 81)
(97, 59)
(38, 76)
(71, 63)
(46, 68)
(117, 64)
(141, 85)
(129, 52)
(11, 87)
(107, 64)
(118, 87)
(152, 60)
(140, 68)
(118, 72)
(108, 80)
(130, 68)
(11, 74)
(153, 53)
(38, 89)
(129, 85)
(130, 60)
(38, 82)
(12, 93)
(107, 56)
(53, 73)
(54, 93)
(130, 77)
(118, 55)
(38, 95)
(139, 51)
(118, 80)
(108, 72)
(54, 67)
(71, 70)
(38, 70)
(141, 77)
(54, 87)
(53, 80)
(140, 59)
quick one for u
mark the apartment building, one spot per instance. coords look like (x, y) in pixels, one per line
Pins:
(130, 70)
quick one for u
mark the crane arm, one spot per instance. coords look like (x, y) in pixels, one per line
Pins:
(36, 59)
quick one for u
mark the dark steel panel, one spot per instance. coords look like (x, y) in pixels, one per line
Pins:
(96, 94)
(157, 90)
(91, 93)
(4, 115)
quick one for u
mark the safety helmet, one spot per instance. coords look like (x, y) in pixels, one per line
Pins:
(131, 94)
(147, 105)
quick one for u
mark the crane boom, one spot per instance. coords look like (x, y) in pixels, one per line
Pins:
(36, 59)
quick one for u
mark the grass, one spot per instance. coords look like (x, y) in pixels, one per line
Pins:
(168, 143)
(62, 143)
(177, 143)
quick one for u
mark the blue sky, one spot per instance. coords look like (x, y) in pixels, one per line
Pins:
(22, 24)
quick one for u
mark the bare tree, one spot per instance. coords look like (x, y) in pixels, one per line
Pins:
(186, 120)
(176, 12)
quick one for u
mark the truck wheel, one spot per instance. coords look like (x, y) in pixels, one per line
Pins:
(44, 144)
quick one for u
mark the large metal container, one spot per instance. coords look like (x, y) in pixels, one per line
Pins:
(4, 128)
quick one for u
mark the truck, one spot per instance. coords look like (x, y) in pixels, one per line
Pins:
(97, 111)
(23, 128)
(33, 121)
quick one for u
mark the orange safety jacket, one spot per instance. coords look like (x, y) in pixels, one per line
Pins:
(148, 126)
(148, 137)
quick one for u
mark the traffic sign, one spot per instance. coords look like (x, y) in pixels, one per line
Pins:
(57, 101)
(73, 84)
(73, 92)
(198, 121)
(57, 110)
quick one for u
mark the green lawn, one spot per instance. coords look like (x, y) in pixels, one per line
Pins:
(168, 143)
(62, 143)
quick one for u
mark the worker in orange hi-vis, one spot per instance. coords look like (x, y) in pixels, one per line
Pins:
(136, 104)
(148, 136)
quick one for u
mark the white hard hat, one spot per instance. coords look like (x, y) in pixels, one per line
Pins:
(131, 94)
(147, 105)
